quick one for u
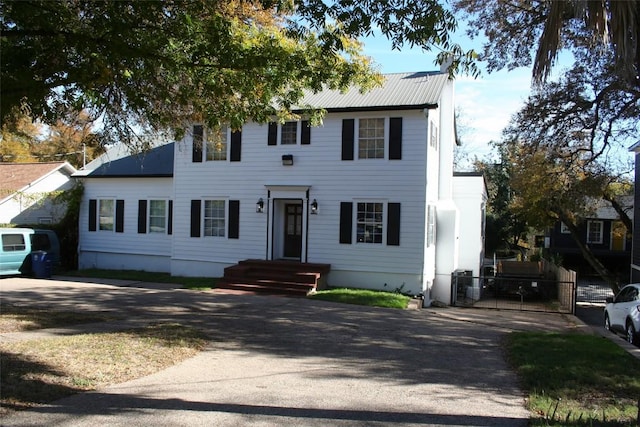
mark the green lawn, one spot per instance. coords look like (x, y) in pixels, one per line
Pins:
(363, 297)
(576, 379)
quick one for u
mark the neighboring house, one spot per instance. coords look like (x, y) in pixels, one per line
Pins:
(27, 191)
(604, 233)
(370, 192)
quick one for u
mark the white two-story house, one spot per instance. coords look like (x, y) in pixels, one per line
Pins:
(369, 192)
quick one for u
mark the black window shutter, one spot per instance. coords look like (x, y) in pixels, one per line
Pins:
(234, 219)
(305, 136)
(170, 219)
(142, 216)
(93, 212)
(347, 139)
(395, 138)
(236, 146)
(393, 224)
(195, 218)
(119, 216)
(346, 221)
(198, 137)
(273, 133)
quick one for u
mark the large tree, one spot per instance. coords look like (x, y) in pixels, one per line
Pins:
(567, 148)
(161, 64)
(532, 33)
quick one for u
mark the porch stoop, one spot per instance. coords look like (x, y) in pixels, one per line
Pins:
(276, 277)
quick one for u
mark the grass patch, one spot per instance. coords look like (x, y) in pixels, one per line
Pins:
(363, 297)
(42, 370)
(18, 319)
(576, 379)
(198, 283)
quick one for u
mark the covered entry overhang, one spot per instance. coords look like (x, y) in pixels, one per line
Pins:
(288, 221)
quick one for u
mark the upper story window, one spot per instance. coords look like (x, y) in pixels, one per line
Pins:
(216, 146)
(371, 139)
(433, 139)
(594, 231)
(376, 138)
(289, 133)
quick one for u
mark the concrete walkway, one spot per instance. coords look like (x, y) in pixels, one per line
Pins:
(276, 361)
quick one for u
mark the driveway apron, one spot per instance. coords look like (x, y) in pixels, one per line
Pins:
(277, 361)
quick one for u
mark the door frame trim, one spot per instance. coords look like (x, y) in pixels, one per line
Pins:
(276, 197)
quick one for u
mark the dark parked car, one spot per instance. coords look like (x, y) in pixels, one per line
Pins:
(622, 313)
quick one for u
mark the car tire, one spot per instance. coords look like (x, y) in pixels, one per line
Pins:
(631, 335)
(607, 322)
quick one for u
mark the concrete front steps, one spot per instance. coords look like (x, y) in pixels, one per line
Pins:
(275, 277)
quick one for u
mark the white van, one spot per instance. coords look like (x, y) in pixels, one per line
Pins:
(18, 244)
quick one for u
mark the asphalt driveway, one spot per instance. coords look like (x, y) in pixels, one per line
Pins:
(276, 361)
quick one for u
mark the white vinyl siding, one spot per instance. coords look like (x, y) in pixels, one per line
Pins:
(129, 249)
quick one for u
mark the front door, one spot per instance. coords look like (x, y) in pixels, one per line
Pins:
(293, 230)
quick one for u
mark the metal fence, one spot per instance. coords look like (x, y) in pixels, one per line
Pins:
(514, 293)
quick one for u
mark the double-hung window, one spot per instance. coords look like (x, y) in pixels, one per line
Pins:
(157, 216)
(594, 232)
(289, 133)
(375, 222)
(106, 215)
(214, 218)
(106, 208)
(216, 147)
(371, 138)
(369, 224)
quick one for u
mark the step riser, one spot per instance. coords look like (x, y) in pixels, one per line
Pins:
(274, 276)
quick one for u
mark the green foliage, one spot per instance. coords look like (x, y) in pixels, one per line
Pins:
(156, 65)
(364, 297)
(576, 378)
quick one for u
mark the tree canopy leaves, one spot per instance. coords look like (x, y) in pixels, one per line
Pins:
(161, 64)
(532, 33)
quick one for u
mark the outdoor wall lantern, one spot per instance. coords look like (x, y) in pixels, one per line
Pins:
(260, 206)
(314, 207)
(287, 159)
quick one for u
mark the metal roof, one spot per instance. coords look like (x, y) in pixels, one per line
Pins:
(157, 162)
(399, 91)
